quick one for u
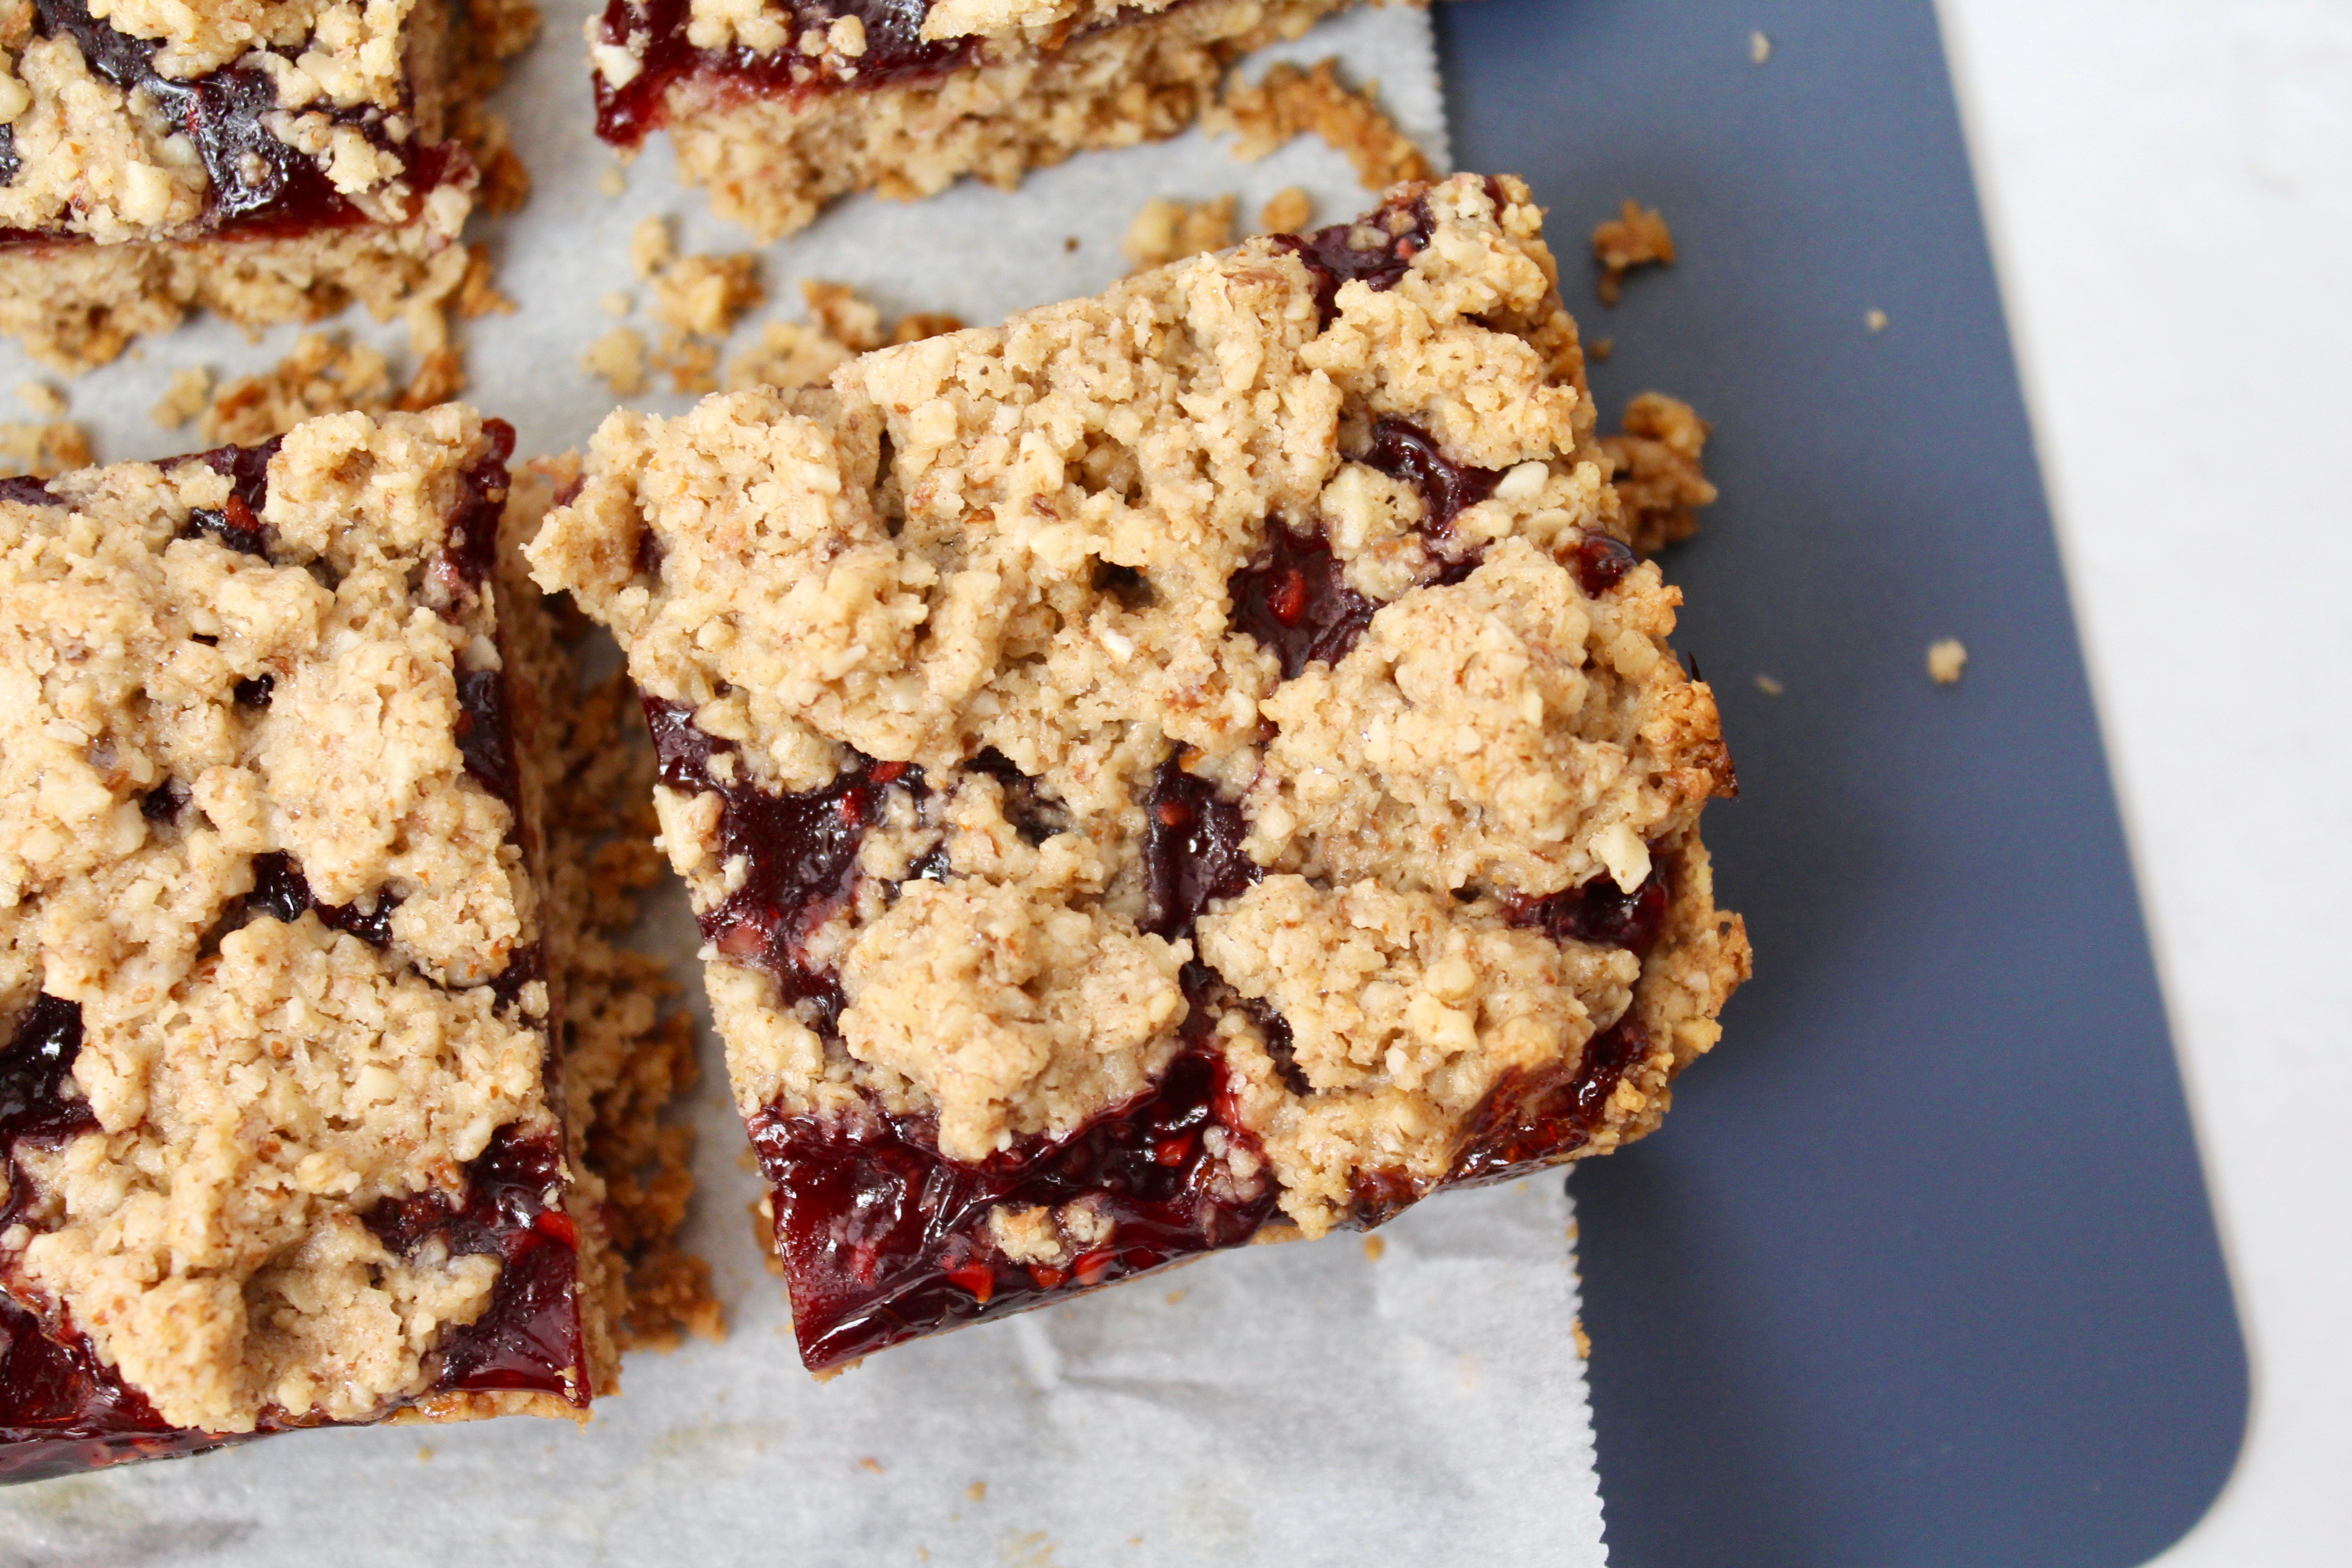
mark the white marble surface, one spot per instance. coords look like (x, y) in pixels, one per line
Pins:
(2169, 186)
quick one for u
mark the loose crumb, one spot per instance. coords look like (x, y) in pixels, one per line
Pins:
(320, 375)
(476, 296)
(1289, 210)
(1071, 244)
(425, 1453)
(1659, 480)
(614, 302)
(1760, 49)
(43, 451)
(1600, 350)
(1875, 320)
(977, 1491)
(650, 248)
(1374, 1247)
(440, 376)
(611, 182)
(42, 399)
(618, 358)
(1289, 102)
(191, 389)
(1583, 1339)
(839, 310)
(1769, 687)
(1636, 236)
(690, 362)
(871, 1465)
(1176, 1297)
(1946, 661)
(1168, 230)
(707, 295)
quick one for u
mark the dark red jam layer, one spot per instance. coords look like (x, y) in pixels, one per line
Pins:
(895, 50)
(1294, 598)
(260, 187)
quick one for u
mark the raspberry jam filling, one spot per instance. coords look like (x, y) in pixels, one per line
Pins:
(655, 32)
(260, 187)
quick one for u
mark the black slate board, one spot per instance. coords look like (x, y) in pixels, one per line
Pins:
(1921, 1271)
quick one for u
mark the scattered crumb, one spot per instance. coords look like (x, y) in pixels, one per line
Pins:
(1374, 1247)
(614, 302)
(440, 376)
(42, 399)
(650, 249)
(1598, 350)
(839, 310)
(1168, 230)
(1034, 1550)
(1071, 244)
(611, 182)
(1946, 661)
(690, 362)
(977, 1491)
(320, 375)
(707, 295)
(1583, 1339)
(1636, 236)
(1875, 320)
(476, 295)
(190, 390)
(505, 181)
(1288, 102)
(1769, 687)
(1289, 210)
(1760, 49)
(1659, 480)
(618, 358)
(870, 1464)
(1175, 1296)
(921, 324)
(791, 353)
(425, 1453)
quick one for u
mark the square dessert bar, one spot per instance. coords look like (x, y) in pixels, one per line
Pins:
(781, 106)
(285, 1138)
(1189, 766)
(267, 160)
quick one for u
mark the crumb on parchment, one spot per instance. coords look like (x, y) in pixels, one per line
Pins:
(1288, 102)
(43, 451)
(1168, 229)
(1636, 236)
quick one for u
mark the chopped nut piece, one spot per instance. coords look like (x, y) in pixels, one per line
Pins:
(1760, 49)
(1875, 320)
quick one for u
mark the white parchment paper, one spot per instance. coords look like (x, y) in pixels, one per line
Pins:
(1288, 1405)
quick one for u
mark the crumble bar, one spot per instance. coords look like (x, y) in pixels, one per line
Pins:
(1193, 765)
(781, 106)
(267, 161)
(293, 1102)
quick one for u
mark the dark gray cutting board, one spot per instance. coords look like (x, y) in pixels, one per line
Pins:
(1922, 1270)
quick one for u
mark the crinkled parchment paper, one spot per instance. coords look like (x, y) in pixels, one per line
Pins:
(1291, 1405)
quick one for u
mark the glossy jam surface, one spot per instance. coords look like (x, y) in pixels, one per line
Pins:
(1191, 851)
(1295, 601)
(896, 50)
(884, 1240)
(1375, 251)
(1599, 912)
(1408, 454)
(260, 187)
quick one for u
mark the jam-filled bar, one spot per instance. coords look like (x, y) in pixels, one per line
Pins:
(1193, 765)
(265, 160)
(780, 106)
(285, 1136)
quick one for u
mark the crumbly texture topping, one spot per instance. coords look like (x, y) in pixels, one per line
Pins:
(42, 450)
(174, 710)
(772, 163)
(1637, 237)
(840, 325)
(1007, 558)
(1287, 102)
(1659, 477)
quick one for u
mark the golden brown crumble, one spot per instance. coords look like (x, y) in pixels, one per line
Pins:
(1636, 236)
(1167, 230)
(42, 450)
(1659, 477)
(1287, 211)
(911, 564)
